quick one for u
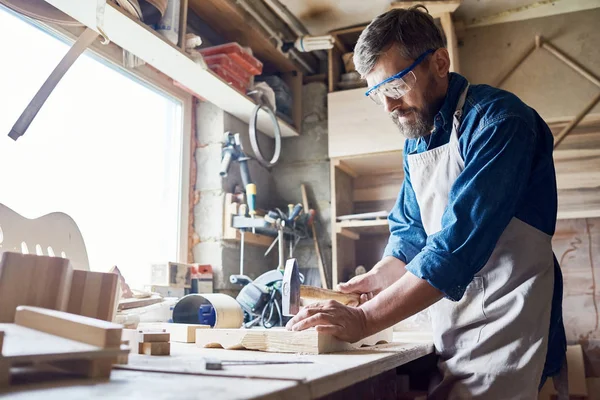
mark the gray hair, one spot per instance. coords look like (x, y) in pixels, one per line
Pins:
(411, 30)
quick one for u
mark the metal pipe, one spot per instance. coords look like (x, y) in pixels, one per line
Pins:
(292, 22)
(272, 33)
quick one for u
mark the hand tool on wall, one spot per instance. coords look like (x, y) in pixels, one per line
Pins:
(293, 291)
(315, 240)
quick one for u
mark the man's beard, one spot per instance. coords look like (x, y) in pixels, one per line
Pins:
(422, 125)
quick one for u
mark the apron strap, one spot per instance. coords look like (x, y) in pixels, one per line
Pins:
(458, 115)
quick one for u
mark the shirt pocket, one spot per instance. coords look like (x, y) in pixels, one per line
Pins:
(459, 324)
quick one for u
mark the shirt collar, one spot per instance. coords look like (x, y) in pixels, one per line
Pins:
(456, 85)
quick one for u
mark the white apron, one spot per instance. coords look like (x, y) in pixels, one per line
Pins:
(492, 343)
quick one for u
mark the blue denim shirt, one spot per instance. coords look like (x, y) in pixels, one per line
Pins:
(509, 172)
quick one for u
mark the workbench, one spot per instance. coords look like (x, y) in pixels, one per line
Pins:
(329, 373)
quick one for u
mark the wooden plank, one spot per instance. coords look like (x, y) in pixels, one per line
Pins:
(451, 41)
(379, 226)
(375, 163)
(344, 167)
(311, 294)
(233, 24)
(155, 348)
(356, 125)
(377, 187)
(184, 333)
(347, 233)
(94, 294)
(277, 340)
(436, 7)
(27, 279)
(537, 9)
(364, 216)
(148, 45)
(577, 384)
(346, 259)
(70, 326)
(343, 190)
(127, 304)
(26, 345)
(320, 265)
(335, 67)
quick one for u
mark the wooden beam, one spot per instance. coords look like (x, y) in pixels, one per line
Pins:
(436, 8)
(538, 9)
(347, 233)
(344, 167)
(279, 340)
(451, 41)
(579, 117)
(570, 62)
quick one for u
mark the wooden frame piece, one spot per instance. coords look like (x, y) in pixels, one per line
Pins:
(94, 294)
(347, 233)
(282, 341)
(184, 333)
(322, 275)
(451, 40)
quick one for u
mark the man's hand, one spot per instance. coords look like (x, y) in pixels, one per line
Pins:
(384, 274)
(345, 323)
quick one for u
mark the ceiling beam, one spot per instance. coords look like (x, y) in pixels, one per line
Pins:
(539, 9)
(435, 8)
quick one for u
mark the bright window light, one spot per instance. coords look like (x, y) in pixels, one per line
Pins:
(105, 149)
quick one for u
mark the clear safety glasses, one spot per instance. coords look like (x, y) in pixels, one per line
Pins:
(396, 85)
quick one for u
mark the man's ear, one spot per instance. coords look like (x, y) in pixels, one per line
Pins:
(440, 63)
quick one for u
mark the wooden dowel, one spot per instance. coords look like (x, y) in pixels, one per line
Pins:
(567, 129)
(567, 60)
(516, 65)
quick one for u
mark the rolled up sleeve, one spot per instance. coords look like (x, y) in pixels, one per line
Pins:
(481, 203)
(407, 235)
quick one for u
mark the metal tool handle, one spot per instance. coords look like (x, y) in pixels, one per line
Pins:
(245, 171)
(225, 162)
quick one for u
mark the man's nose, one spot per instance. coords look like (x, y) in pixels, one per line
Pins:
(390, 104)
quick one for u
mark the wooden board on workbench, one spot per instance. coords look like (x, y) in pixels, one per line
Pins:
(94, 294)
(32, 280)
(70, 326)
(184, 333)
(280, 340)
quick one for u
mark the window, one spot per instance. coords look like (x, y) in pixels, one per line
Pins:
(105, 149)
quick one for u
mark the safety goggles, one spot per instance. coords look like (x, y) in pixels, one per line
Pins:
(396, 85)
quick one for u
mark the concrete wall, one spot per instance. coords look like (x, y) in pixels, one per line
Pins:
(542, 81)
(303, 160)
(212, 123)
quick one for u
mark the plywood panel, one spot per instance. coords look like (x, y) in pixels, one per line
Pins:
(576, 244)
(280, 340)
(27, 279)
(94, 294)
(377, 187)
(357, 125)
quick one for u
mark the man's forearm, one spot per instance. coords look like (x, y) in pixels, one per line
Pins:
(404, 298)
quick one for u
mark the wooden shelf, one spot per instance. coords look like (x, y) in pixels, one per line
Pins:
(148, 45)
(229, 21)
(354, 228)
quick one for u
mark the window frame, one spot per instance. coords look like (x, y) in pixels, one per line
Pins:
(111, 53)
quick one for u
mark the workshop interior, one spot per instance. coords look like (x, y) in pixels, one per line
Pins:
(185, 181)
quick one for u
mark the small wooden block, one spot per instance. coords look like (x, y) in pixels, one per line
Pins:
(184, 333)
(153, 337)
(132, 337)
(155, 348)
(70, 326)
(94, 294)
(31, 280)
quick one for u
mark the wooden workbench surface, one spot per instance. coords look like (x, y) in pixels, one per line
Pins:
(327, 374)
